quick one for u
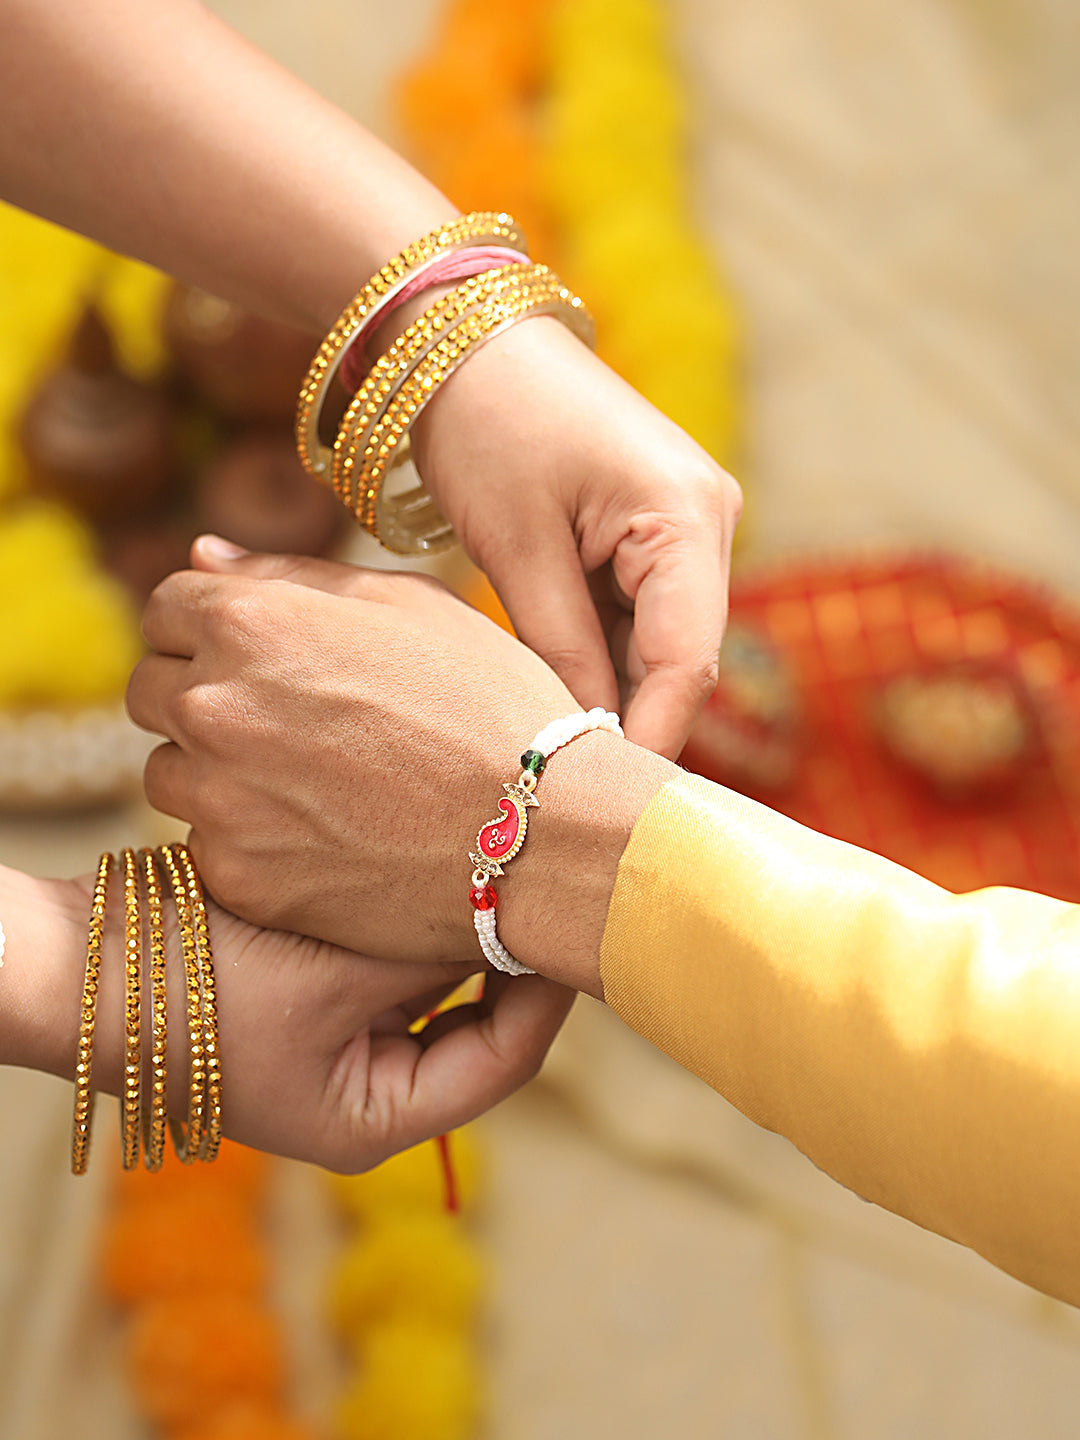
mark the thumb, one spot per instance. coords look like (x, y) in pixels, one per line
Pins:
(222, 557)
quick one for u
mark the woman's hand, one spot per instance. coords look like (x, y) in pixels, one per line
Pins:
(317, 1059)
(336, 749)
(604, 528)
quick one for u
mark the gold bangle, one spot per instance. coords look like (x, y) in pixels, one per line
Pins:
(188, 1141)
(484, 227)
(211, 1050)
(154, 1113)
(84, 1094)
(363, 472)
(130, 1112)
(390, 370)
(397, 521)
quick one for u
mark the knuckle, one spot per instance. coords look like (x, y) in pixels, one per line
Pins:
(227, 876)
(158, 605)
(526, 1067)
(211, 717)
(244, 612)
(209, 804)
(180, 589)
(400, 587)
(135, 694)
(703, 677)
(734, 495)
(711, 491)
(166, 593)
(158, 780)
(195, 714)
(568, 661)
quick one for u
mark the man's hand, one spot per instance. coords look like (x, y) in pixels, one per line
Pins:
(336, 737)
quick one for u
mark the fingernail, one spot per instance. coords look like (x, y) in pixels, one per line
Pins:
(221, 549)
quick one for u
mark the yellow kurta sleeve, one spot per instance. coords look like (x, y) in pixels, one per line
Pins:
(923, 1048)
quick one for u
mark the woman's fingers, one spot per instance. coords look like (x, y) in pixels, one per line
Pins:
(420, 1006)
(679, 588)
(415, 1090)
(547, 597)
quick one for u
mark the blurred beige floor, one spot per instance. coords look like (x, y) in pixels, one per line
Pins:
(894, 189)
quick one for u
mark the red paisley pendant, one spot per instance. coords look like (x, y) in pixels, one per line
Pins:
(498, 837)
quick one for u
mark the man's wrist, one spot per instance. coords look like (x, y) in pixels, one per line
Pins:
(553, 901)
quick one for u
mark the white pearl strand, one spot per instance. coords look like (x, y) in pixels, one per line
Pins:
(553, 737)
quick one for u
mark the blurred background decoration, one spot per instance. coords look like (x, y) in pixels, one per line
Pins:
(135, 413)
(838, 244)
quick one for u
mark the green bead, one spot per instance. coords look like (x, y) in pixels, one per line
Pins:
(533, 761)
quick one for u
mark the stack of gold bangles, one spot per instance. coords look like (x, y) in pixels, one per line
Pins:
(373, 436)
(143, 1103)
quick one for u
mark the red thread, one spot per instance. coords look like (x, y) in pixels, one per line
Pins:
(449, 1176)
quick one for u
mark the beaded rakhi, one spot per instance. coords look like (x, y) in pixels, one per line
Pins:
(501, 839)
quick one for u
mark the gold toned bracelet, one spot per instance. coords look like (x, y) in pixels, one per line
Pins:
(130, 1112)
(211, 1050)
(84, 1094)
(478, 228)
(393, 520)
(188, 1141)
(387, 374)
(365, 471)
(155, 1112)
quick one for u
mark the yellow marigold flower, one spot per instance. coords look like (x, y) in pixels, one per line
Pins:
(413, 1180)
(420, 1264)
(70, 634)
(417, 1380)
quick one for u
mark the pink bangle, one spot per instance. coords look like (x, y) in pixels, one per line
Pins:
(457, 265)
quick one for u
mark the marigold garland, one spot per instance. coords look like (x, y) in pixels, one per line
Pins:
(575, 119)
(71, 634)
(478, 139)
(184, 1255)
(619, 186)
(404, 1297)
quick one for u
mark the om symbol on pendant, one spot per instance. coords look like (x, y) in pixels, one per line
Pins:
(501, 839)
(497, 837)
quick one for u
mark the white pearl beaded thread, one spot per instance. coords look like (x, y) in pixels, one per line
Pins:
(553, 737)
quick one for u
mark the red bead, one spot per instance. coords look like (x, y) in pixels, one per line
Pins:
(484, 899)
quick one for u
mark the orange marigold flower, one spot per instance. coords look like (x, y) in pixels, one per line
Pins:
(248, 1420)
(183, 1242)
(191, 1356)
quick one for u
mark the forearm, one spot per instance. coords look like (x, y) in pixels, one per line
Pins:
(162, 133)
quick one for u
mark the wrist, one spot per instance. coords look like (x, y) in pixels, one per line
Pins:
(553, 901)
(40, 983)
